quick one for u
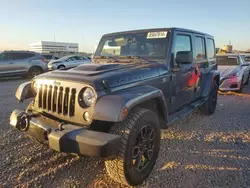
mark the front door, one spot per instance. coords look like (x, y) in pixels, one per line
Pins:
(70, 62)
(79, 60)
(183, 74)
(6, 64)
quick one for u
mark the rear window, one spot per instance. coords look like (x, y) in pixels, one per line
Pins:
(199, 43)
(227, 60)
(210, 49)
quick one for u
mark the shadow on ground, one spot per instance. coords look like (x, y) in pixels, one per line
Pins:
(202, 151)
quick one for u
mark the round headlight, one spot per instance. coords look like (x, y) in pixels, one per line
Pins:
(89, 97)
(35, 86)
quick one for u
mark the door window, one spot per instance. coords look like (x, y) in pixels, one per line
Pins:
(79, 58)
(71, 59)
(182, 43)
(18, 56)
(200, 52)
(210, 49)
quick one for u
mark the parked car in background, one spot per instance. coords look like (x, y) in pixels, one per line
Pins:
(68, 62)
(234, 72)
(49, 57)
(22, 63)
(247, 57)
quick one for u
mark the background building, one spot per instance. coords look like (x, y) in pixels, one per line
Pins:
(57, 48)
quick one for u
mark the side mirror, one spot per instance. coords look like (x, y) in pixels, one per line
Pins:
(184, 57)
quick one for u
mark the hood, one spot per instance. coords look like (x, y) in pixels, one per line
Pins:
(226, 70)
(114, 74)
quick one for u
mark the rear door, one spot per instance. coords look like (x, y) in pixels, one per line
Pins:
(183, 93)
(201, 60)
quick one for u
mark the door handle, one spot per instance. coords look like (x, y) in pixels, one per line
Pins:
(191, 68)
(176, 68)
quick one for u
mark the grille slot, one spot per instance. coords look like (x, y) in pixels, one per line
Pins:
(49, 97)
(60, 100)
(65, 101)
(44, 97)
(72, 99)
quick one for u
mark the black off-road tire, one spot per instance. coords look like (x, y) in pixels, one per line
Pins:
(61, 67)
(121, 167)
(34, 71)
(209, 106)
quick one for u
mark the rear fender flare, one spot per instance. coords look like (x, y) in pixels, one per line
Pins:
(207, 82)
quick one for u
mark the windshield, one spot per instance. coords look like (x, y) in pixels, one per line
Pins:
(227, 60)
(134, 44)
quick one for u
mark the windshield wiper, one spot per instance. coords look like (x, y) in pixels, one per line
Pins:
(135, 58)
(110, 58)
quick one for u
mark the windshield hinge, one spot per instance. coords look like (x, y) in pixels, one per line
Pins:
(172, 99)
(171, 78)
(106, 86)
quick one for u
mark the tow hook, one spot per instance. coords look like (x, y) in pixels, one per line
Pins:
(46, 134)
(23, 122)
(60, 126)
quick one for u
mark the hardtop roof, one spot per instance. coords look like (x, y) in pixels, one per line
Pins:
(159, 29)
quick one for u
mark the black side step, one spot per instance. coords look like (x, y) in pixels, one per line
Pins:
(185, 111)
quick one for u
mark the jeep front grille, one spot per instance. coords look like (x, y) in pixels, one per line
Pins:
(57, 99)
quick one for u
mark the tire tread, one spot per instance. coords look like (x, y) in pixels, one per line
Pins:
(115, 165)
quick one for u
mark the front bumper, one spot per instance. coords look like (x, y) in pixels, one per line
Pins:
(230, 84)
(67, 138)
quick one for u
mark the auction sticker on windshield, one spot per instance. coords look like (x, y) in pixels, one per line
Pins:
(156, 35)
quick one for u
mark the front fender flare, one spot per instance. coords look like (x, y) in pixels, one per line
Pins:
(110, 107)
(24, 91)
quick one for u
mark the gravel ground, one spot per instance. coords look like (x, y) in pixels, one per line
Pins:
(201, 151)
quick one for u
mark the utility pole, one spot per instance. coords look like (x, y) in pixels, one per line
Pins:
(55, 45)
(82, 43)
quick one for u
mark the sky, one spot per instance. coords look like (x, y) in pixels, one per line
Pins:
(84, 22)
